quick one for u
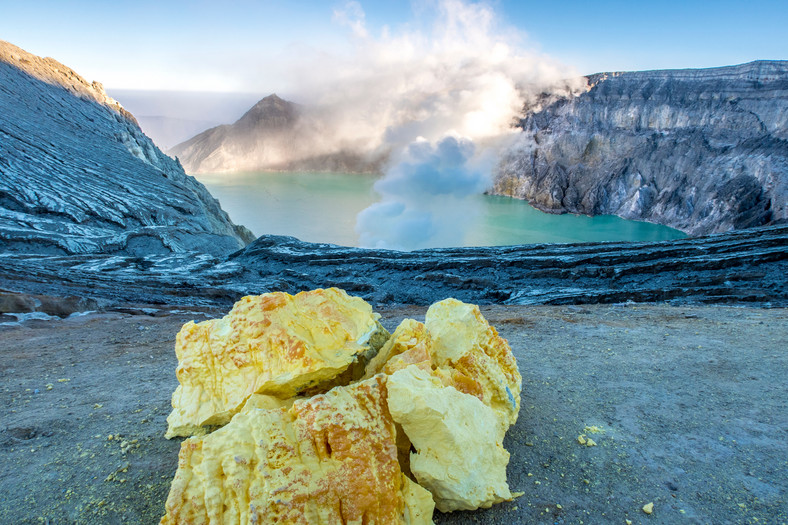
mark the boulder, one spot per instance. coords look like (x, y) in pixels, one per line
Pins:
(327, 423)
(459, 453)
(457, 345)
(328, 459)
(276, 344)
(454, 389)
(465, 343)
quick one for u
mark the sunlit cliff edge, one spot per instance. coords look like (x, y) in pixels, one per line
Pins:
(77, 175)
(701, 150)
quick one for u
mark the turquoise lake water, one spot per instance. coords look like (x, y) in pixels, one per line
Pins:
(322, 207)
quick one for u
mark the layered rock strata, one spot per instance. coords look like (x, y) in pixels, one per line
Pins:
(77, 175)
(701, 150)
(745, 267)
(422, 429)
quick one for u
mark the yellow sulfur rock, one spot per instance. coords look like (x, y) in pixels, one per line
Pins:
(409, 344)
(276, 344)
(464, 342)
(459, 454)
(460, 348)
(328, 459)
(448, 388)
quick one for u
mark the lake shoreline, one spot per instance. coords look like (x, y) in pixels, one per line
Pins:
(322, 207)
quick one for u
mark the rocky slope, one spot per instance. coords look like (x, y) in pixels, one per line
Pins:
(700, 150)
(274, 135)
(77, 175)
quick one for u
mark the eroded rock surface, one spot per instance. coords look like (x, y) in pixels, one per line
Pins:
(743, 267)
(78, 176)
(276, 344)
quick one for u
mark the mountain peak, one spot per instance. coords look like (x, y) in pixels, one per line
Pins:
(271, 111)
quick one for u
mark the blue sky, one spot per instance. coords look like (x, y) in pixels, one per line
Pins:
(243, 45)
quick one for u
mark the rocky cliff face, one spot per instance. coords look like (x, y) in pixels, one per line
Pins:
(700, 150)
(77, 175)
(274, 135)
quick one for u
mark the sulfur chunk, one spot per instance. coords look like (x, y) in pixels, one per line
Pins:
(464, 342)
(328, 459)
(409, 344)
(460, 348)
(275, 344)
(459, 454)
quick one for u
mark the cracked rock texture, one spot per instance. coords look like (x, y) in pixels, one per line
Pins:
(701, 150)
(275, 344)
(77, 175)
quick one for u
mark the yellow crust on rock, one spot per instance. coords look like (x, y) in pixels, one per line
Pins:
(328, 459)
(276, 344)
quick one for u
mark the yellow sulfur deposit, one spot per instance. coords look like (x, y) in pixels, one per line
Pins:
(458, 346)
(327, 422)
(277, 344)
(328, 459)
(463, 341)
(459, 454)
(454, 387)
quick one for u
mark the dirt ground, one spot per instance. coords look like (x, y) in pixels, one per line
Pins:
(688, 407)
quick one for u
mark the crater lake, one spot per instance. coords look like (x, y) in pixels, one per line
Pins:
(322, 207)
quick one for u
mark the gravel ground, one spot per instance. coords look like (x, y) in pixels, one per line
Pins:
(687, 407)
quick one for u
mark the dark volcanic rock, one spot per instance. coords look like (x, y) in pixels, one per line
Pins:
(275, 135)
(702, 150)
(742, 267)
(77, 175)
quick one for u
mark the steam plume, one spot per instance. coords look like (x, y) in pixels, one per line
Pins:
(464, 75)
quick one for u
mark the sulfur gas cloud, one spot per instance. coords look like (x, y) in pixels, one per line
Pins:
(440, 97)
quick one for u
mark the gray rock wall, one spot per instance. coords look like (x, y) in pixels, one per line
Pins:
(77, 175)
(703, 150)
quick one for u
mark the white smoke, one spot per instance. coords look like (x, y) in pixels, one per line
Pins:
(425, 196)
(459, 72)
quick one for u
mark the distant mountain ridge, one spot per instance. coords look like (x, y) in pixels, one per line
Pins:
(274, 134)
(77, 175)
(701, 150)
